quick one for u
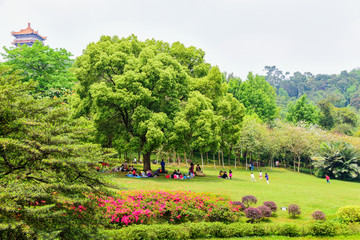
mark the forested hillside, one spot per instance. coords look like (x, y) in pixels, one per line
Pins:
(342, 90)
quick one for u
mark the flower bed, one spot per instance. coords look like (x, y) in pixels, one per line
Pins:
(148, 207)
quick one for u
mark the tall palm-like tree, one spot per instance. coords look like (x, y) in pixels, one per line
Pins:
(339, 160)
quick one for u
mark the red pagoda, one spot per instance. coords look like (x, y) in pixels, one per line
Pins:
(26, 36)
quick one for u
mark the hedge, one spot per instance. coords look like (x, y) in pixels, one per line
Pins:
(238, 229)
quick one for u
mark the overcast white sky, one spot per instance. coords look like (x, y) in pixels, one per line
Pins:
(320, 36)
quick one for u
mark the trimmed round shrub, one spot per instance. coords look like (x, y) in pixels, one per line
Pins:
(248, 200)
(266, 211)
(271, 205)
(253, 214)
(349, 213)
(238, 203)
(294, 210)
(318, 215)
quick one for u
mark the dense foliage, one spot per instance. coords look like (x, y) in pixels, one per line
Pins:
(45, 162)
(338, 160)
(46, 66)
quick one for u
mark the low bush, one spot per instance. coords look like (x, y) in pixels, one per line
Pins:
(294, 210)
(321, 229)
(349, 213)
(221, 230)
(318, 215)
(266, 211)
(253, 214)
(249, 200)
(288, 229)
(271, 205)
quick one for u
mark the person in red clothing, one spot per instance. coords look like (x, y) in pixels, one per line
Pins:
(327, 178)
(191, 170)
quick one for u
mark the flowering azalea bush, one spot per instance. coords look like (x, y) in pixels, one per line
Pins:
(147, 207)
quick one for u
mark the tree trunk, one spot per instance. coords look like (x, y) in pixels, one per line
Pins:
(207, 158)
(229, 156)
(246, 164)
(294, 163)
(214, 160)
(219, 158)
(174, 159)
(222, 157)
(185, 158)
(131, 159)
(202, 161)
(139, 154)
(146, 161)
(299, 164)
(235, 160)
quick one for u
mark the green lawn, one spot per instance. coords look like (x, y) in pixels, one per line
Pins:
(286, 187)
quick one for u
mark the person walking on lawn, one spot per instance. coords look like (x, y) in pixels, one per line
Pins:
(327, 178)
(267, 178)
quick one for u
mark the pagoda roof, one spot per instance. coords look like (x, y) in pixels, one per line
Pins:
(27, 30)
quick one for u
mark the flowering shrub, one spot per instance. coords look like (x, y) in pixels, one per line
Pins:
(271, 205)
(253, 213)
(249, 200)
(318, 215)
(238, 203)
(147, 207)
(266, 211)
(294, 210)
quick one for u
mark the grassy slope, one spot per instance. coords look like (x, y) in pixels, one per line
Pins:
(285, 187)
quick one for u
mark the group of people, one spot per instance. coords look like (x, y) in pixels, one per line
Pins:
(223, 174)
(124, 168)
(252, 176)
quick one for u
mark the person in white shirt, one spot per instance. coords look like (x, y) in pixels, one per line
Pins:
(252, 177)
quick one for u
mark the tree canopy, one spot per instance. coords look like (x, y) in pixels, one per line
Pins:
(42, 64)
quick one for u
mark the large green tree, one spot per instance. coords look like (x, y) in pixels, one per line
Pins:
(302, 110)
(47, 66)
(46, 163)
(258, 96)
(135, 86)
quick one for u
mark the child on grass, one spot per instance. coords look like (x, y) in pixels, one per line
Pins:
(267, 178)
(252, 177)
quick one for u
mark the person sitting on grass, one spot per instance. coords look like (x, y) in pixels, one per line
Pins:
(198, 168)
(149, 173)
(134, 173)
(220, 174)
(143, 174)
(191, 170)
(225, 176)
(174, 173)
